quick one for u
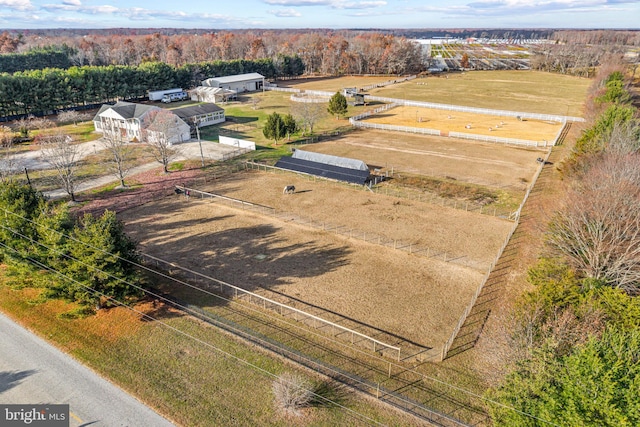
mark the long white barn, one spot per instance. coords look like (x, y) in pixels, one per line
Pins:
(238, 83)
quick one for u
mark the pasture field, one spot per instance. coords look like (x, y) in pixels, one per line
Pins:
(479, 124)
(474, 162)
(415, 297)
(525, 91)
(334, 84)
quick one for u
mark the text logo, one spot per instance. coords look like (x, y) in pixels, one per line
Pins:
(34, 415)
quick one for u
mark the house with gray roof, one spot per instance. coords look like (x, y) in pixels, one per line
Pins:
(201, 114)
(128, 121)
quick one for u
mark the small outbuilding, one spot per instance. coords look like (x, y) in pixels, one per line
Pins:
(211, 94)
(327, 166)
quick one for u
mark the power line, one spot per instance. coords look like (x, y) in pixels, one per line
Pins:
(265, 344)
(439, 381)
(196, 339)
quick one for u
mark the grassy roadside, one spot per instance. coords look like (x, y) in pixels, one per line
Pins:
(189, 382)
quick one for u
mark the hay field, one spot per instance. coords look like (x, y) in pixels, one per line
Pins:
(480, 124)
(412, 296)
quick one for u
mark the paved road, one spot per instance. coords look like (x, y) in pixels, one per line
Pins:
(34, 372)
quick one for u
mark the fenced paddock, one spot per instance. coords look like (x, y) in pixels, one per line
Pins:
(283, 309)
(367, 283)
(342, 230)
(503, 167)
(401, 116)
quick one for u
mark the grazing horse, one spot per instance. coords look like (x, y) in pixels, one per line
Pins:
(289, 189)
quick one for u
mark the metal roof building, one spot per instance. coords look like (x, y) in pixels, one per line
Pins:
(326, 166)
(238, 83)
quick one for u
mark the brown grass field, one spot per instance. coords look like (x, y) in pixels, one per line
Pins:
(369, 283)
(495, 165)
(480, 124)
(366, 282)
(526, 91)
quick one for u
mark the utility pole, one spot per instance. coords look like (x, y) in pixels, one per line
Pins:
(197, 123)
(26, 172)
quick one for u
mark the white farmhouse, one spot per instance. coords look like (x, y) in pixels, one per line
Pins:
(130, 121)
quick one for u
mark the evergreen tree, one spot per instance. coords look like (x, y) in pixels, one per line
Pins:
(290, 125)
(274, 128)
(19, 206)
(596, 385)
(337, 105)
(100, 254)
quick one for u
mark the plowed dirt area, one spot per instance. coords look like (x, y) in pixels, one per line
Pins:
(415, 297)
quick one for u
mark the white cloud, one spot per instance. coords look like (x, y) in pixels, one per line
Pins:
(335, 4)
(17, 4)
(285, 13)
(358, 4)
(299, 2)
(72, 2)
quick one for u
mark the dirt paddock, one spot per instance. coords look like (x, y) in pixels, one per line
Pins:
(465, 122)
(412, 296)
(475, 162)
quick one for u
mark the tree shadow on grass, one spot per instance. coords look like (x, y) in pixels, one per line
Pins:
(250, 257)
(329, 394)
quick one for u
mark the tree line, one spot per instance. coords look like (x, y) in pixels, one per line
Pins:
(324, 52)
(36, 59)
(50, 90)
(576, 335)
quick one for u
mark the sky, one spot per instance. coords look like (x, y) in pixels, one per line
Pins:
(333, 14)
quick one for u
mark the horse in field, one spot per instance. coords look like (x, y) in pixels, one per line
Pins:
(289, 189)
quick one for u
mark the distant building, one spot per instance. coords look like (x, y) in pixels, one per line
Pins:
(238, 83)
(129, 121)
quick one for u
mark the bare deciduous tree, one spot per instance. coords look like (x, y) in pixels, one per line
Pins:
(255, 100)
(598, 231)
(8, 163)
(60, 152)
(120, 153)
(160, 128)
(624, 138)
(308, 114)
(292, 392)
(71, 116)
